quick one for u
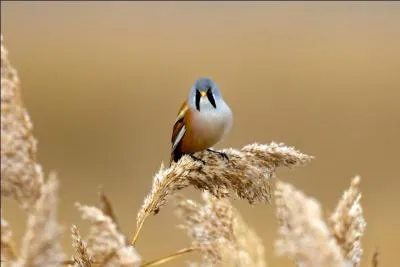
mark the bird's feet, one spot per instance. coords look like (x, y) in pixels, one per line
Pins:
(221, 154)
(197, 159)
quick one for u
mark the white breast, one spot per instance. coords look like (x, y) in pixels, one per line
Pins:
(211, 124)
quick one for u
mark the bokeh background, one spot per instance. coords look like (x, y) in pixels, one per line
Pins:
(103, 83)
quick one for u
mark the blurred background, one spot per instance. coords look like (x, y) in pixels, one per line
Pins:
(103, 83)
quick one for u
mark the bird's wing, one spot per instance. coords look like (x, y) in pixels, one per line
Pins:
(179, 126)
(179, 137)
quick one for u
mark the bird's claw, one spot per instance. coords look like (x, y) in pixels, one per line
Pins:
(197, 159)
(223, 155)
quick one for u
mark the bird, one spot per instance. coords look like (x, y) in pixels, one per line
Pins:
(203, 120)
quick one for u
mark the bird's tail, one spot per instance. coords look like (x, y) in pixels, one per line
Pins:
(175, 156)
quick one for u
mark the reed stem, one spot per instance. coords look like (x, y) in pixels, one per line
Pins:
(168, 257)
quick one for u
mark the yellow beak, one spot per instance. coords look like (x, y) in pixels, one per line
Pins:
(203, 93)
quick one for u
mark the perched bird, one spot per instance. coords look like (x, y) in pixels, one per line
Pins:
(203, 120)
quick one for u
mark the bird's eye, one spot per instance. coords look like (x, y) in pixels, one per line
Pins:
(211, 98)
(198, 96)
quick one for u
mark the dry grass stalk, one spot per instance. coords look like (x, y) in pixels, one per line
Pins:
(219, 232)
(21, 176)
(7, 244)
(348, 223)
(246, 175)
(105, 244)
(375, 258)
(303, 235)
(106, 207)
(167, 258)
(41, 244)
(81, 256)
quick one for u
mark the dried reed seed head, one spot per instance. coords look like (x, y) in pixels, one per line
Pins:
(81, 256)
(208, 225)
(106, 207)
(21, 176)
(7, 253)
(303, 235)
(347, 223)
(218, 231)
(246, 175)
(41, 244)
(249, 248)
(165, 182)
(6, 233)
(105, 244)
(375, 258)
(251, 251)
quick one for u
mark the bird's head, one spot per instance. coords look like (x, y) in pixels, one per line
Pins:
(204, 94)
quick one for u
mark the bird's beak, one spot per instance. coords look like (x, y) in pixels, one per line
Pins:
(202, 93)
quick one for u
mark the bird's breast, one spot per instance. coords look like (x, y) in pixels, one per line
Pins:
(208, 127)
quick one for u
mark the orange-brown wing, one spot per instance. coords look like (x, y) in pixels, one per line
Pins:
(179, 127)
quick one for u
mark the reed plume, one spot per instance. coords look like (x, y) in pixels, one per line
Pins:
(306, 238)
(41, 243)
(218, 231)
(246, 175)
(104, 243)
(347, 223)
(81, 255)
(7, 244)
(375, 258)
(303, 235)
(21, 175)
(22, 178)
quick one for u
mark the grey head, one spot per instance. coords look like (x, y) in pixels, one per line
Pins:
(204, 94)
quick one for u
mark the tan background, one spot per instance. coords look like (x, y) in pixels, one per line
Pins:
(103, 82)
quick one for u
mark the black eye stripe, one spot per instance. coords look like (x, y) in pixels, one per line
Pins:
(211, 98)
(198, 100)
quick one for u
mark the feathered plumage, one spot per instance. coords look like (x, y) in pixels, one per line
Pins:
(202, 121)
